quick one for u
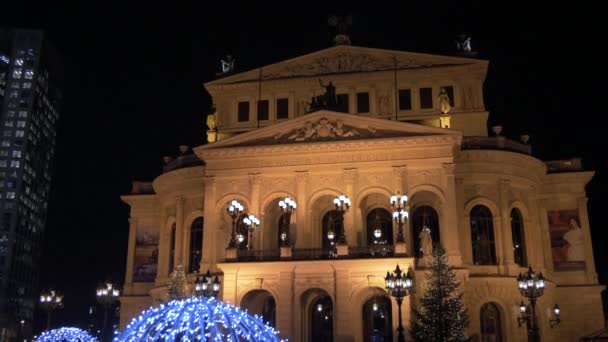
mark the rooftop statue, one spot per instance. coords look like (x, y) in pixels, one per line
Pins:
(444, 101)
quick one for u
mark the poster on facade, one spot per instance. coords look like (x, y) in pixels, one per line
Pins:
(146, 254)
(566, 240)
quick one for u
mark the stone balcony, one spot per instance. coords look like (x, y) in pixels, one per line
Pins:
(495, 143)
(142, 188)
(363, 252)
(567, 165)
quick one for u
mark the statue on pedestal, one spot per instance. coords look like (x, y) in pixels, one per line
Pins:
(212, 127)
(426, 245)
(444, 101)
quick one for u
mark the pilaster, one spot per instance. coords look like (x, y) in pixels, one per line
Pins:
(179, 230)
(163, 246)
(507, 258)
(255, 179)
(589, 261)
(343, 308)
(297, 234)
(350, 178)
(211, 238)
(285, 306)
(448, 227)
(130, 255)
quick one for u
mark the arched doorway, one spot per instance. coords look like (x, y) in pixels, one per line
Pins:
(261, 303)
(377, 320)
(321, 320)
(424, 216)
(379, 227)
(331, 223)
(491, 326)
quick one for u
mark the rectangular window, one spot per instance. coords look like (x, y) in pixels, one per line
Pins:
(16, 154)
(21, 123)
(243, 112)
(19, 134)
(22, 114)
(8, 133)
(405, 99)
(362, 102)
(342, 103)
(15, 164)
(263, 110)
(3, 153)
(8, 123)
(29, 74)
(3, 163)
(17, 73)
(27, 85)
(10, 114)
(10, 195)
(19, 61)
(282, 108)
(6, 143)
(14, 94)
(426, 98)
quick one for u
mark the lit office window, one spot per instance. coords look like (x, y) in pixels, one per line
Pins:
(19, 61)
(29, 74)
(22, 114)
(8, 133)
(17, 73)
(10, 114)
(3, 153)
(27, 85)
(8, 124)
(14, 94)
(15, 164)
(21, 123)
(3, 163)
(19, 134)
(10, 195)
(6, 143)
(16, 154)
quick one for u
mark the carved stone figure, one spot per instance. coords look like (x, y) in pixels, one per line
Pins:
(574, 237)
(212, 121)
(426, 242)
(321, 129)
(340, 131)
(228, 63)
(444, 101)
(383, 103)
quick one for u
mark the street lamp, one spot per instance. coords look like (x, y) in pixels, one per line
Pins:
(400, 214)
(532, 286)
(252, 223)
(106, 296)
(287, 206)
(234, 209)
(204, 287)
(50, 301)
(342, 204)
(399, 285)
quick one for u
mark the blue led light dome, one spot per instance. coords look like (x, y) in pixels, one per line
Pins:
(65, 334)
(197, 319)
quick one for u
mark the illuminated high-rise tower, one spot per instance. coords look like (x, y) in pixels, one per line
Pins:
(30, 78)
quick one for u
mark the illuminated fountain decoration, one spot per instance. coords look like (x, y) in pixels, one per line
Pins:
(192, 318)
(65, 334)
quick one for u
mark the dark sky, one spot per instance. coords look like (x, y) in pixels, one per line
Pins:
(134, 92)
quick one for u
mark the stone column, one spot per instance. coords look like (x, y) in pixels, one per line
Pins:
(532, 232)
(508, 259)
(163, 247)
(400, 185)
(343, 310)
(350, 231)
(584, 222)
(179, 230)
(211, 236)
(130, 255)
(302, 228)
(255, 179)
(285, 305)
(448, 227)
(463, 225)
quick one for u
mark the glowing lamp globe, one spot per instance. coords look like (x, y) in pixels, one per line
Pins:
(197, 319)
(64, 335)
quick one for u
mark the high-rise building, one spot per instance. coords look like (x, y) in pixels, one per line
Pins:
(30, 78)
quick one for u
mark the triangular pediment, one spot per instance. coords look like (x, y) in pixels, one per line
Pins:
(345, 59)
(328, 126)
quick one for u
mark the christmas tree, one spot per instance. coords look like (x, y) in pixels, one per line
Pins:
(442, 315)
(177, 284)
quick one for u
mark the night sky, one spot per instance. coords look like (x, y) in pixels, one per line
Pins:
(134, 92)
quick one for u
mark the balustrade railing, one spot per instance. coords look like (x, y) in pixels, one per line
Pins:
(568, 165)
(495, 143)
(363, 252)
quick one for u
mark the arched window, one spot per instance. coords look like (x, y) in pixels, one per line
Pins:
(261, 303)
(321, 314)
(196, 244)
(421, 217)
(331, 221)
(172, 248)
(519, 244)
(381, 219)
(491, 329)
(377, 320)
(482, 236)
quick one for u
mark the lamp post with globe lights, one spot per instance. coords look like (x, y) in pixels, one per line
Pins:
(399, 284)
(400, 213)
(107, 296)
(287, 206)
(532, 286)
(50, 301)
(205, 287)
(342, 204)
(234, 209)
(252, 224)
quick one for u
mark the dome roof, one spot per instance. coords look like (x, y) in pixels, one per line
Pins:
(189, 319)
(65, 334)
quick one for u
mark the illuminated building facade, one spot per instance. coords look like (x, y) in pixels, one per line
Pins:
(30, 80)
(383, 125)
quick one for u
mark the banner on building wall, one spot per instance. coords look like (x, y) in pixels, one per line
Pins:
(566, 240)
(146, 254)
